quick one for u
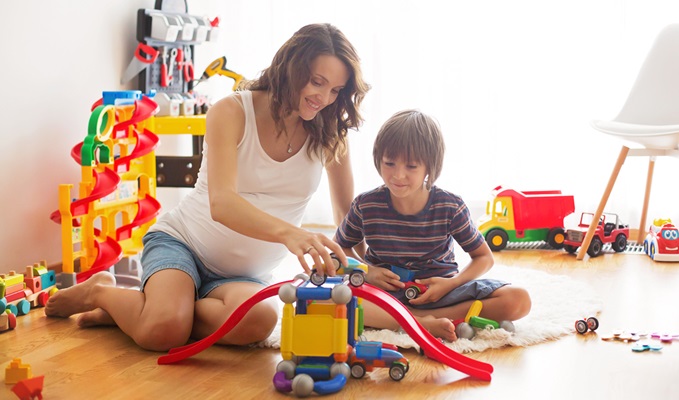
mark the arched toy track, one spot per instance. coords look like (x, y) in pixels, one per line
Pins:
(432, 347)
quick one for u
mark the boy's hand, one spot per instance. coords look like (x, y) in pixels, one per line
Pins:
(384, 279)
(437, 287)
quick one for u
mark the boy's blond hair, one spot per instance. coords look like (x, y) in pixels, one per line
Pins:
(414, 136)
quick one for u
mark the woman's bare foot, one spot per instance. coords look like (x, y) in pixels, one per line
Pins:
(439, 327)
(77, 299)
(96, 317)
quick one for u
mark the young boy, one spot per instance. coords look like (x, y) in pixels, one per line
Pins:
(412, 224)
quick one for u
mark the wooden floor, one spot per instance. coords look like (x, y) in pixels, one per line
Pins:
(639, 294)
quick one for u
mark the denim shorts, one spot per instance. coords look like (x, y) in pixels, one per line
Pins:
(473, 290)
(162, 251)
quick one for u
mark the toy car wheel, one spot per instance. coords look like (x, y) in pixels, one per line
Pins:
(581, 326)
(397, 372)
(620, 243)
(336, 261)
(652, 251)
(356, 279)
(595, 247)
(411, 293)
(592, 323)
(317, 279)
(357, 371)
(555, 237)
(646, 247)
(497, 239)
(570, 249)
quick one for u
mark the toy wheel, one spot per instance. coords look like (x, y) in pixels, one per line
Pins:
(397, 372)
(11, 320)
(23, 307)
(358, 371)
(42, 298)
(595, 247)
(581, 326)
(411, 293)
(336, 261)
(497, 239)
(356, 279)
(556, 237)
(652, 251)
(620, 243)
(592, 323)
(570, 249)
(317, 279)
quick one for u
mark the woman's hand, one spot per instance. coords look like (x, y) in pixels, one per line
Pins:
(437, 287)
(303, 242)
(384, 279)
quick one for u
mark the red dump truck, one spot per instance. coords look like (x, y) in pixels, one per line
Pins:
(528, 216)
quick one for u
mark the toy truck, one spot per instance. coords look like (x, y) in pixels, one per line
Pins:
(609, 229)
(528, 216)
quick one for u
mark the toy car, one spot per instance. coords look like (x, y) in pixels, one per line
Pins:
(369, 355)
(608, 230)
(355, 271)
(412, 288)
(662, 241)
(582, 326)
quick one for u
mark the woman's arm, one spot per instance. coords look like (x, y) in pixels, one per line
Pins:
(225, 124)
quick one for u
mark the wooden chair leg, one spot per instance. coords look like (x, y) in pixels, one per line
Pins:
(647, 195)
(602, 204)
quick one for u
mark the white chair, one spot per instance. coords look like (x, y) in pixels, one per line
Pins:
(649, 119)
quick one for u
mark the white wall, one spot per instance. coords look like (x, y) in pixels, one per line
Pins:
(513, 84)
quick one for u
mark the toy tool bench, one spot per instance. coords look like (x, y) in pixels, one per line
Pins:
(163, 63)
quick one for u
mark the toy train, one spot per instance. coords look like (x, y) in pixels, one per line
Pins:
(19, 293)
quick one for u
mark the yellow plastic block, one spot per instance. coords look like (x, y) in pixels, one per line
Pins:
(474, 310)
(16, 371)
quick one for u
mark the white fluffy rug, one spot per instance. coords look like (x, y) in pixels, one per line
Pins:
(558, 301)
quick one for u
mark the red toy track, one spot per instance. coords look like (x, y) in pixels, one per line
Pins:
(432, 347)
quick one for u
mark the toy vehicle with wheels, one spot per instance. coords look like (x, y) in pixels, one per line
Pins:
(662, 241)
(525, 216)
(367, 356)
(414, 289)
(355, 272)
(609, 229)
(583, 325)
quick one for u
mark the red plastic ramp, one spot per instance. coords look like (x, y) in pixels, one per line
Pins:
(180, 353)
(148, 209)
(432, 347)
(108, 253)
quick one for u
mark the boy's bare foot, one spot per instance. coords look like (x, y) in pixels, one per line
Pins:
(77, 299)
(439, 327)
(96, 317)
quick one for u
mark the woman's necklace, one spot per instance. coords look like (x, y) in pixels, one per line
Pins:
(292, 137)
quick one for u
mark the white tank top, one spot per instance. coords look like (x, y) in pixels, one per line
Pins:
(282, 189)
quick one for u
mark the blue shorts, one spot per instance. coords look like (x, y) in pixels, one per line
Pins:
(162, 251)
(473, 290)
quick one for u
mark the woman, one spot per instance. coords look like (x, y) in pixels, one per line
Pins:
(265, 148)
